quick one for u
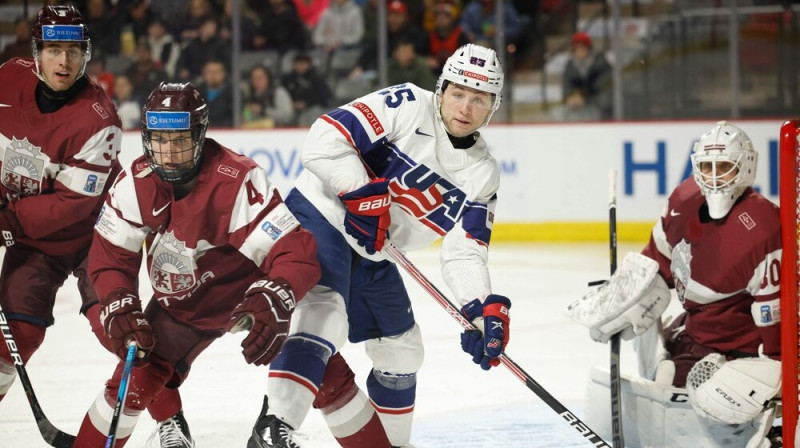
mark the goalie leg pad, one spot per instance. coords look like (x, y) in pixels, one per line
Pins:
(629, 303)
(733, 392)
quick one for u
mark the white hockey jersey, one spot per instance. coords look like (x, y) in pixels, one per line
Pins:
(437, 190)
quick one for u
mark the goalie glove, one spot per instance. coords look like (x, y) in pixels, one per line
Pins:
(367, 216)
(123, 321)
(268, 304)
(629, 303)
(492, 320)
(732, 392)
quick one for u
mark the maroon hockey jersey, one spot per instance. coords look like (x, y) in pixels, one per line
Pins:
(54, 167)
(726, 272)
(205, 249)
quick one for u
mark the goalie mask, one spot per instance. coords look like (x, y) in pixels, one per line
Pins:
(174, 123)
(724, 166)
(476, 67)
(60, 24)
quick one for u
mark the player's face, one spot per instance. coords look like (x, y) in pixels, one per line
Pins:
(61, 63)
(464, 109)
(719, 176)
(172, 150)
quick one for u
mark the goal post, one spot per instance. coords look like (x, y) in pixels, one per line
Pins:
(790, 275)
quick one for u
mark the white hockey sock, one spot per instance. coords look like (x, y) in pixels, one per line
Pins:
(7, 375)
(101, 412)
(289, 400)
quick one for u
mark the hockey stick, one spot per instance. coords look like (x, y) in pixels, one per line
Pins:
(52, 435)
(122, 392)
(451, 309)
(617, 438)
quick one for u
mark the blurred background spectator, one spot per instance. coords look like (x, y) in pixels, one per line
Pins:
(129, 108)
(586, 82)
(445, 36)
(165, 51)
(478, 21)
(407, 66)
(104, 26)
(309, 91)
(251, 38)
(341, 25)
(310, 11)
(21, 47)
(266, 104)
(143, 72)
(96, 69)
(216, 89)
(283, 29)
(398, 27)
(206, 46)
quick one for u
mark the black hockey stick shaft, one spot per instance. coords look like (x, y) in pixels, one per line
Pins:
(122, 392)
(52, 435)
(617, 438)
(453, 311)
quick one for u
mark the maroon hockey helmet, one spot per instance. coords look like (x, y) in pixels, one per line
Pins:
(60, 24)
(179, 110)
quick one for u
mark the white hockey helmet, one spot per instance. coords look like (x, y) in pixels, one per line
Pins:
(477, 67)
(723, 183)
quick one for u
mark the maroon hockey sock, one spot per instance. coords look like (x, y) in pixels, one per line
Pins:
(371, 435)
(91, 437)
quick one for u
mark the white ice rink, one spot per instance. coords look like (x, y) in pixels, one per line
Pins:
(458, 404)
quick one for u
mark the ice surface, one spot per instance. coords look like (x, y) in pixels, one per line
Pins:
(458, 404)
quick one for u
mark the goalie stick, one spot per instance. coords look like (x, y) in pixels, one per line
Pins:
(617, 438)
(122, 392)
(52, 435)
(535, 387)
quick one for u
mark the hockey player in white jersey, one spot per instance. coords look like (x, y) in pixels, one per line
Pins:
(407, 165)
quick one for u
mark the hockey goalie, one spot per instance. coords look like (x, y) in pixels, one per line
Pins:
(711, 377)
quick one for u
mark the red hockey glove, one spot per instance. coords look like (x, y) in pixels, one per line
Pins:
(269, 305)
(9, 225)
(492, 319)
(123, 321)
(367, 217)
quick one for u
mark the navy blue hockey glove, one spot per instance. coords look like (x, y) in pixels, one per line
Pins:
(367, 217)
(9, 225)
(492, 319)
(266, 310)
(123, 321)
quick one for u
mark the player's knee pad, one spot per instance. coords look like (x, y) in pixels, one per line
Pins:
(27, 338)
(322, 313)
(7, 374)
(402, 353)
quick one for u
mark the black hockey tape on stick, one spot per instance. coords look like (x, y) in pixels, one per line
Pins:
(451, 309)
(52, 435)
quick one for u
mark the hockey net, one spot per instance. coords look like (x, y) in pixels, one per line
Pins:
(790, 224)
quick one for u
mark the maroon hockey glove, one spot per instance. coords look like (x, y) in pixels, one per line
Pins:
(9, 225)
(269, 305)
(492, 319)
(367, 217)
(123, 321)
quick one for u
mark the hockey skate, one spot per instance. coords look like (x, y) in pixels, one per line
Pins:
(174, 432)
(271, 432)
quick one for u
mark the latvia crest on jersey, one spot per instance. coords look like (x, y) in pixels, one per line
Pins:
(681, 267)
(173, 265)
(23, 167)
